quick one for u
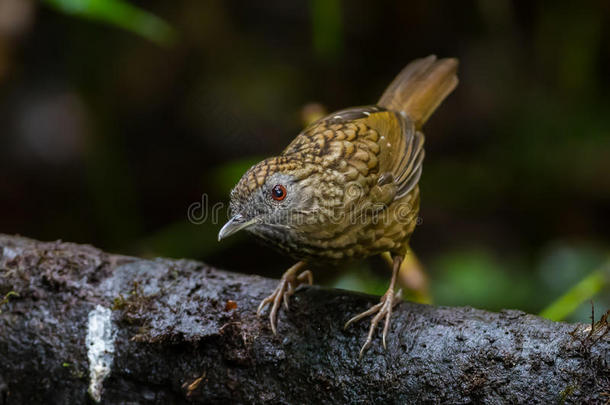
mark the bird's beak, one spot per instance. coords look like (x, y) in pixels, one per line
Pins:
(237, 223)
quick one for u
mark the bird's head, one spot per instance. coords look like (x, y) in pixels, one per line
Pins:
(270, 198)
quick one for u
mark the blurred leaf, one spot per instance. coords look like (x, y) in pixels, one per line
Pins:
(585, 290)
(111, 186)
(121, 14)
(225, 176)
(476, 278)
(199, 240)
(185, 239)
(360, 278)
(327, 27)
(576, 35)
(563, 265)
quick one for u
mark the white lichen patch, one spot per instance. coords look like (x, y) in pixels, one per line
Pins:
(100, 349)
(9, 253)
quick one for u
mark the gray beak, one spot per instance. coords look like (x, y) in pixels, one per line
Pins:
(237, 223)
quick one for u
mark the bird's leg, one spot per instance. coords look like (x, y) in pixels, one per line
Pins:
(288, 283)
(383, 309)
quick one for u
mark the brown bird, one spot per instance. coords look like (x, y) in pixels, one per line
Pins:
(347, 186)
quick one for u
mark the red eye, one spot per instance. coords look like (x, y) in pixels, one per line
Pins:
(278, 192)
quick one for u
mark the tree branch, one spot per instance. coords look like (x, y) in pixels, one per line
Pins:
(90, 324)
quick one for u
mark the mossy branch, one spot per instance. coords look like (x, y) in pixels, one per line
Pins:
(88, 324)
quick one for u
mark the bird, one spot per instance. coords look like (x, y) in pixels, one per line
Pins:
(346, 187)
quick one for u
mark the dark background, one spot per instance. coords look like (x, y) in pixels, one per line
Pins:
(110, 129)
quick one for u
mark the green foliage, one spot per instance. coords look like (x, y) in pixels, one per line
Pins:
(121, 14)
(475, 277)
(584, 291)
(185, 239)
(478, 278)
(225, 176)
(327, 28)
(565, 272)
(361, 278)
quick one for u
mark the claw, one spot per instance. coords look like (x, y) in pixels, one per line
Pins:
(366, 313)
(277, 298)
(287, 295)
(369, 337)
(286, 287)
(263, 304)
(382, 310)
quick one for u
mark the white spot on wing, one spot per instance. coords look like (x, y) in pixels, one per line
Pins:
(366, 113)
(100, 349)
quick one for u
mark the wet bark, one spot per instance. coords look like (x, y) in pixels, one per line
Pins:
(185, 332)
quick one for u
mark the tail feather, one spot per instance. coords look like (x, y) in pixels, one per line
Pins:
(420, 88)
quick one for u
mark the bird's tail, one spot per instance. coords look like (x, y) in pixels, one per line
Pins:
(420, 88)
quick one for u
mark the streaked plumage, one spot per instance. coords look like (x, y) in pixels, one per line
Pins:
(351, 179)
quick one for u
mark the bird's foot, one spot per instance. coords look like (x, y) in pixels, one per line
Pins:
(383, 309)
(288, 284)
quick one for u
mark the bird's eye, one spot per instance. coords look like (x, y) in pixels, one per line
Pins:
(278, 192)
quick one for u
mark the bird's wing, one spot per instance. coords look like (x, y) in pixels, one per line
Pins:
(401, 150)
(408, 168)
(377, 149)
